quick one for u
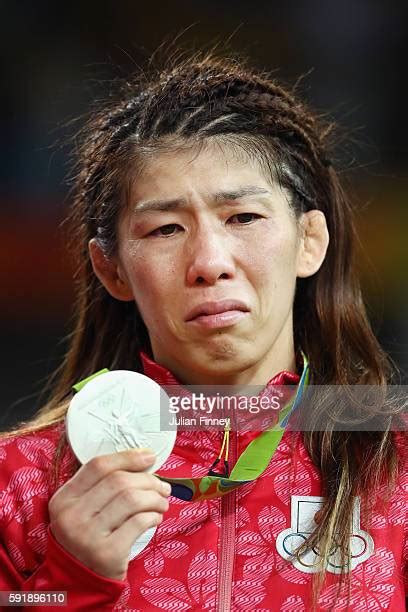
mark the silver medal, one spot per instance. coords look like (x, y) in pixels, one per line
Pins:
(117, 411)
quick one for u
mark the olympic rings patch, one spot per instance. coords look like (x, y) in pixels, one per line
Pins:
(303, 512)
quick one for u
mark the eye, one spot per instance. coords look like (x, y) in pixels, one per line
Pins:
(244, 218)
(166, 230)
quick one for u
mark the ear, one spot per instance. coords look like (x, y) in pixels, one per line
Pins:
(109, 273)
(314, 240)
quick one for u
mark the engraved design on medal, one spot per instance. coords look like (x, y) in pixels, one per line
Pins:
(122, 435)
(121, 427)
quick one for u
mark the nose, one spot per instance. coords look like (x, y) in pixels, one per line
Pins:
(209, 257)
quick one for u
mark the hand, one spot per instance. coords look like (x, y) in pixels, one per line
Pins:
(99, 513)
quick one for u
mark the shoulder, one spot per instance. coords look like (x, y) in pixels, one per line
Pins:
(400, 439)
(32, 465)
(31, 449)
(49, 432)
(401, 442)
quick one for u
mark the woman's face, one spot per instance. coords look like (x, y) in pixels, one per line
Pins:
(209, 250)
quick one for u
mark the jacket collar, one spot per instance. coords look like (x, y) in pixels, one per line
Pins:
(163, 376)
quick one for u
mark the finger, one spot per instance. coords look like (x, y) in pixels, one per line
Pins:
(116, 484)
(125, 536)
(125, 505)
(134, 460)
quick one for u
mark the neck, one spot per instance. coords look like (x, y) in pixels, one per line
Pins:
(209, 372)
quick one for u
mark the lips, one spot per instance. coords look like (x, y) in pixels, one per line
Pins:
(214, 308)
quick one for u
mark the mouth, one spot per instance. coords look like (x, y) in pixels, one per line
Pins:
(218, 314)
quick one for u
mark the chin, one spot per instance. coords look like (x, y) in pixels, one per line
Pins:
(221, 348)
(226, 357)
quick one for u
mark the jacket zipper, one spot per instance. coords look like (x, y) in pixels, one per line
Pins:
(227, 540)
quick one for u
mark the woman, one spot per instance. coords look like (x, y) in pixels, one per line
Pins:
(214, 246)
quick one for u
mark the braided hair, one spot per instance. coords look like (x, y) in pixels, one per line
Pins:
(196, 101)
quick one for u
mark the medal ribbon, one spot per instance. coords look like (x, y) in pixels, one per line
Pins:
(250, 464)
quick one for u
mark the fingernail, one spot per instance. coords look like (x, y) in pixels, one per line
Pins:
(166, 488)
(148, 458)
(144, 450)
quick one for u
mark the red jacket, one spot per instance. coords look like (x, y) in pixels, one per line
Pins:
(221, 554)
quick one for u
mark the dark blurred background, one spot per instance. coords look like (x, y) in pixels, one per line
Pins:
(59, 56)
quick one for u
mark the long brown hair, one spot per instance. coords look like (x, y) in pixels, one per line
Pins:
(209, 97)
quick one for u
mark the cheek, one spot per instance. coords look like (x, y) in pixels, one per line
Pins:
(152, 282)
(273, 261)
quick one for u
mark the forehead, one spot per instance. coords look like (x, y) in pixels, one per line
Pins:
(209, 168)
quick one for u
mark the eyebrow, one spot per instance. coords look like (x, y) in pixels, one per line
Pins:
(219, 196)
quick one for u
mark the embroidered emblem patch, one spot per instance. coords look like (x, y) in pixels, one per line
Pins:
(303, 523)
